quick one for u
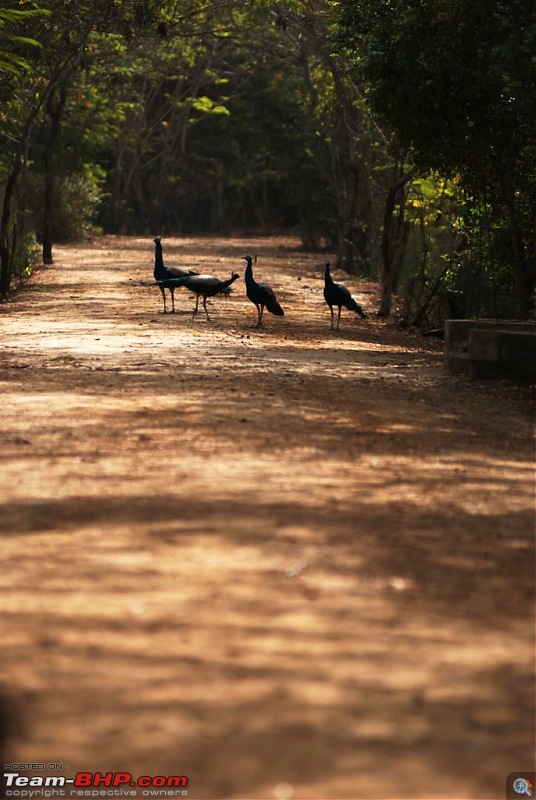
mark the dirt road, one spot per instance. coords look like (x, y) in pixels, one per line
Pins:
(287, 563)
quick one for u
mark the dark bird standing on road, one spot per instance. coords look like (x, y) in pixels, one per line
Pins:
(167, 277)
(337, 295)
(261, 295)
(207, 286)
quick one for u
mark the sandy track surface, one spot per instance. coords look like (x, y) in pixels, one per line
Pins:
(284, 563)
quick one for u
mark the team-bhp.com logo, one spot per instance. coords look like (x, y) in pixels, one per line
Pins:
(93, 784)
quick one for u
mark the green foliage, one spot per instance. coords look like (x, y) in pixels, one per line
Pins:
(77, 200)
(175, 116)
(220, 135)
(205, 105)
(196, 117)
(12, 44)
(27, 95)
(455, 83)
(26, 254)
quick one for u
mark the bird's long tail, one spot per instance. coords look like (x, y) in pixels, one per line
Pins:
(274, 308)
(358, 309)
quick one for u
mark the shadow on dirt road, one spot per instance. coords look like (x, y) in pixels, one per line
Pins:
(283, 563)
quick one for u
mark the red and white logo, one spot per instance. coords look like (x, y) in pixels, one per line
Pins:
(94, 784)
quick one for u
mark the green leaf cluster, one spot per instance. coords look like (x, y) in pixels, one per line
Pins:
(178, 116)
(455, 84)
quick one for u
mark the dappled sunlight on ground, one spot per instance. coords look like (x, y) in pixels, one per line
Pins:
(292, 562)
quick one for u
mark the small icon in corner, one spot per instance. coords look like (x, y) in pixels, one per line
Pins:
(523, 786)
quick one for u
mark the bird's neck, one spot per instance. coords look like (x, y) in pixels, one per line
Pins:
(159, 268)
(249, 273)
(327, 276)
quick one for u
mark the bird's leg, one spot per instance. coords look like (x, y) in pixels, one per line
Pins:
(196, 304)
(172, 293)
(164, 296)
(339, 317)
(205, 307)
(259, 315)
(331, 312)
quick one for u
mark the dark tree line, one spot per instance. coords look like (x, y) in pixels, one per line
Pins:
(397, 135)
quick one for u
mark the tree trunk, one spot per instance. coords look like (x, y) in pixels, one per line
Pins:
(54, 113)
(347, 204)
(387, 246)
(6, 259)
(6, 265)
(522, 271)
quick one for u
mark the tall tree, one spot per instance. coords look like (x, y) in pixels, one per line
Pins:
(456, 83)
(63, 31)
(17, 121)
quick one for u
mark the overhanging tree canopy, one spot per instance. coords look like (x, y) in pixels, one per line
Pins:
(456, 83)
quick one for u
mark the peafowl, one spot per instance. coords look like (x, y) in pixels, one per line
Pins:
(261, 295)
(207, 286)
(167, 277)
(337, 295)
